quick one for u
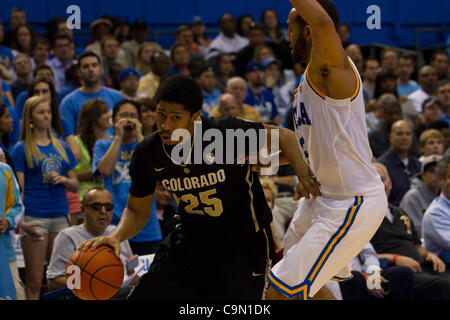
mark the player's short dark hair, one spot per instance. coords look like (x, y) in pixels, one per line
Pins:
(330, 8)
(88, 54)
(120, 103)
(181, 89)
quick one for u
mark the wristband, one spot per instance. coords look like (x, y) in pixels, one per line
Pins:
(394, 259)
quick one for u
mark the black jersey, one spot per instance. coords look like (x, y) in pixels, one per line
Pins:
(215, 201)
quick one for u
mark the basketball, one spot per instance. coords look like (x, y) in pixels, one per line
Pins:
(100, 273)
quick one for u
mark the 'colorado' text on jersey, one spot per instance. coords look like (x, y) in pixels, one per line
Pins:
(332, 135)
(217, 201)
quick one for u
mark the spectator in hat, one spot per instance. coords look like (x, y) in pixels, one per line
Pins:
(207, 80)
(436, 220)
(129, 82)
(100, 28)
(424, 188)
(431, 111)
(258, 96)
(139, 34)
(274, 81)
(149, 83)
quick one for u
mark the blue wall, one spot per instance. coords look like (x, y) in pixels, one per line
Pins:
(398, 17)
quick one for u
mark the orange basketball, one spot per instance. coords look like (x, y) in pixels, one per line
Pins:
(101, 273)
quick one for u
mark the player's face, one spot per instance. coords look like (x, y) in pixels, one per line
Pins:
(171, 116)
(296, 39)
(97, 215)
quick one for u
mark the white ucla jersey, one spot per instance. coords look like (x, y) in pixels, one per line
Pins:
(332, 135)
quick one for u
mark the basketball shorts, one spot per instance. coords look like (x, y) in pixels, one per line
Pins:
(324, 236)
(186, 268)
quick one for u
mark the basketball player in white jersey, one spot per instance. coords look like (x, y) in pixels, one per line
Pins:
(327, 232)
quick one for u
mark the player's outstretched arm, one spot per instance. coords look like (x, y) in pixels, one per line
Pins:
(133, 220)
(308, 184)
(328, 66)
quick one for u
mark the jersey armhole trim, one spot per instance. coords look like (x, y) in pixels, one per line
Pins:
(323, 96)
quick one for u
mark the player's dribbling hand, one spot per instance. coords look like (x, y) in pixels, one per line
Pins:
(307, 186)
(93, 243)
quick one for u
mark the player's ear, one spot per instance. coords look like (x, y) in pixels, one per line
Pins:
(307, 33)
(195, 116)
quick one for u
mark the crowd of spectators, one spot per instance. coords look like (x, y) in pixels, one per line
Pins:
(71, 117)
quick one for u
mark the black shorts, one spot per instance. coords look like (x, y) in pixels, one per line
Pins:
(193, 269)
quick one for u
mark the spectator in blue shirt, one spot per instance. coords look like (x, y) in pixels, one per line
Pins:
(6, 55)
(401, 166)
(112, 158)
(405, 69)
(91, 71)
(44, 167)
(207, 80)
(436, 221)
(260, 98)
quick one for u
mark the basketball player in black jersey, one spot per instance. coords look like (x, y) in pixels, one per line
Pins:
(221, 248)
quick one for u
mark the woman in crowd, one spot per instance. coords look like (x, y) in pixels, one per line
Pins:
(224, 70)
(6, 126)
(179, 55)
(44, 167)
(243, 24)
(144, 56)
(41, 86)
(271, 24)
(199, 30)
(23, 39)
(94, 120)
(148, 113)
(111, 160)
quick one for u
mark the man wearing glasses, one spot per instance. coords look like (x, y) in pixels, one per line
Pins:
(97, 209)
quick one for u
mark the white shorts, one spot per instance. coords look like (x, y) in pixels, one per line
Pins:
(323, 237)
